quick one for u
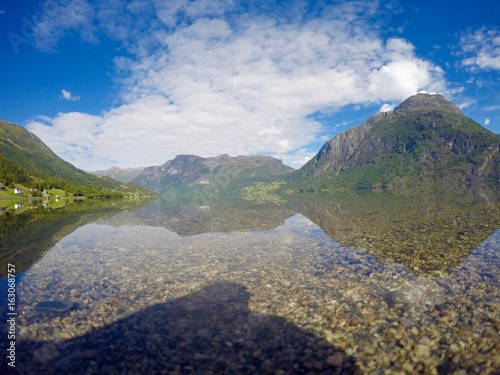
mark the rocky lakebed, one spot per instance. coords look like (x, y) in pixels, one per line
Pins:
(120, 297)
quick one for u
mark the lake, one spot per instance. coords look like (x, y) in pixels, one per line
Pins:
(370, 282)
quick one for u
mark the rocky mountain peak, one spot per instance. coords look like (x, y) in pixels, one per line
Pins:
(425, 133)
(186, 158)
(427, 101)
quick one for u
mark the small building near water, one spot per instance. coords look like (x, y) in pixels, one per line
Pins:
(3, 187)
(17, 191)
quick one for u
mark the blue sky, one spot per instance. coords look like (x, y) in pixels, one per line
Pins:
(134, 83)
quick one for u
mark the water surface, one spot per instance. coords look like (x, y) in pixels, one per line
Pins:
(327, 284)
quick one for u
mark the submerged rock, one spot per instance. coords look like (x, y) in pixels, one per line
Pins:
(54, 306)
(47, 310)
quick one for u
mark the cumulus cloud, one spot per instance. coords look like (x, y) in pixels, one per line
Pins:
(486, 122)
(480, 48)
(386, 108)
(67, 96)
(238, 84)
(73, 135)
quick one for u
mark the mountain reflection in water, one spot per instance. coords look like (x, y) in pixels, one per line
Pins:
(428, 233)
(220, 287)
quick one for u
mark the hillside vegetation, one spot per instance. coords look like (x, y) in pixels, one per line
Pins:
(26, 160)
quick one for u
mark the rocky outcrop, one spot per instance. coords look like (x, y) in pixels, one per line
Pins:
(428, 102)
(334, 154)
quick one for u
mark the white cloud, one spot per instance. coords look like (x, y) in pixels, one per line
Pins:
(486, 122)
(60, 17)
(67, 96)
(74, 136)
(386, 108)
(238, 85)
(481, 49)
(492, 108)
(466, 104)
(404, 75)
(297, 158)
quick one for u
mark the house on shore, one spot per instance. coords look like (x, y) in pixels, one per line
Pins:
(3, 187)
(17, 191)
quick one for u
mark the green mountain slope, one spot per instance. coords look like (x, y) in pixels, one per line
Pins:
(426, 137)
(25, 150)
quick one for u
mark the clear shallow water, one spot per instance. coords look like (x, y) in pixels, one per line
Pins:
(283, 299)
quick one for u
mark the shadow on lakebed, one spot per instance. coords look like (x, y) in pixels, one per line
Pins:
(211, 331)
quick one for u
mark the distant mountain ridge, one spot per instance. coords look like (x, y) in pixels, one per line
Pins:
(190, 171)
(121, 174)
(425, 135)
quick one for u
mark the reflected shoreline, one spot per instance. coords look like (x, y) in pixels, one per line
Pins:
(28, 233)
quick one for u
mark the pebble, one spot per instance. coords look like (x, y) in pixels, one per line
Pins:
(335, 360)
(66, 336)
(45, 354)
(408, 367)
(367, 343)
(422, 351)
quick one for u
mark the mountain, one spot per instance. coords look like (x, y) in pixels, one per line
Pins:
(120, 174)
(32, 157)
(190, 172)
(425, 137)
